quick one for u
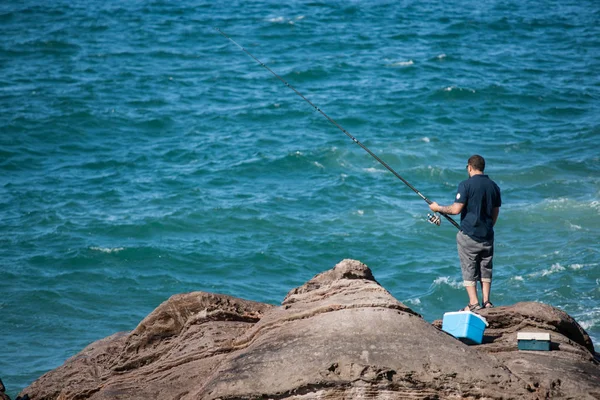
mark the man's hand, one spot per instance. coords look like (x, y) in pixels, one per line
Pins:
(435, 207)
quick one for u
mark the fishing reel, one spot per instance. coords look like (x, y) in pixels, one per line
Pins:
(434, 219)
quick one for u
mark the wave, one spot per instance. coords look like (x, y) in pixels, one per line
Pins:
(414, 301)
(452, 92)
(455, 88)
(564, 204)
(374, 170)
(108, 250)
(447, 281)
(402, 64)
(298, 75)
(589, 319)
(285, 20)
(557, 268)
(552, 270)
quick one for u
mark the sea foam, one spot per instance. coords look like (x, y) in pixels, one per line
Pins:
(403, 63)
(107, 249)
(446, 280)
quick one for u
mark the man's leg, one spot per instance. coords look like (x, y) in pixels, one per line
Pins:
(467, 253)
(472, 292)
(485, 289)
(486, 271)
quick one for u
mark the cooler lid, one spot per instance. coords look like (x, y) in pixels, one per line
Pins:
(544, 336)
(468, 312)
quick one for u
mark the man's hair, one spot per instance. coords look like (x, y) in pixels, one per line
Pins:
(477, 162)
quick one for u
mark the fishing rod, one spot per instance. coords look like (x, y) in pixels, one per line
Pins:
(433, 218)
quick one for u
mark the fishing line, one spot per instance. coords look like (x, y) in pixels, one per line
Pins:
(434, 219)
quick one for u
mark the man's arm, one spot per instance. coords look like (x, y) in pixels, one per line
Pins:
(454, 209)
(495, 212)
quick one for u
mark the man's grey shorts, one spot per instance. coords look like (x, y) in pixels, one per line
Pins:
(475, 259)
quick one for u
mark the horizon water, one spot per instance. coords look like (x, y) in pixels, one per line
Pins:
(143, 155)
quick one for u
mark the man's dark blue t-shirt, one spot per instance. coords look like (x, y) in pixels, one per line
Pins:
(480, 195)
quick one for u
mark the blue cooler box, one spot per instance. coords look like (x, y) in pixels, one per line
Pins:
(466, 326)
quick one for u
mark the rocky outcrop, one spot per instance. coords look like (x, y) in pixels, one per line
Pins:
(169, 353)
(3, 395)
(569, 369)
(339, 336)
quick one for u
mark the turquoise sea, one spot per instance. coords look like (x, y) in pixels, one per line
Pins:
(143, 155)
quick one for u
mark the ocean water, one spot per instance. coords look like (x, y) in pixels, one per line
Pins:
(143, 155)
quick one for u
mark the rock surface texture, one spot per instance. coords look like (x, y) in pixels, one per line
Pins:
(339, 336)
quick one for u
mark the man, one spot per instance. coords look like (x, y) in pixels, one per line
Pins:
(478, 201)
